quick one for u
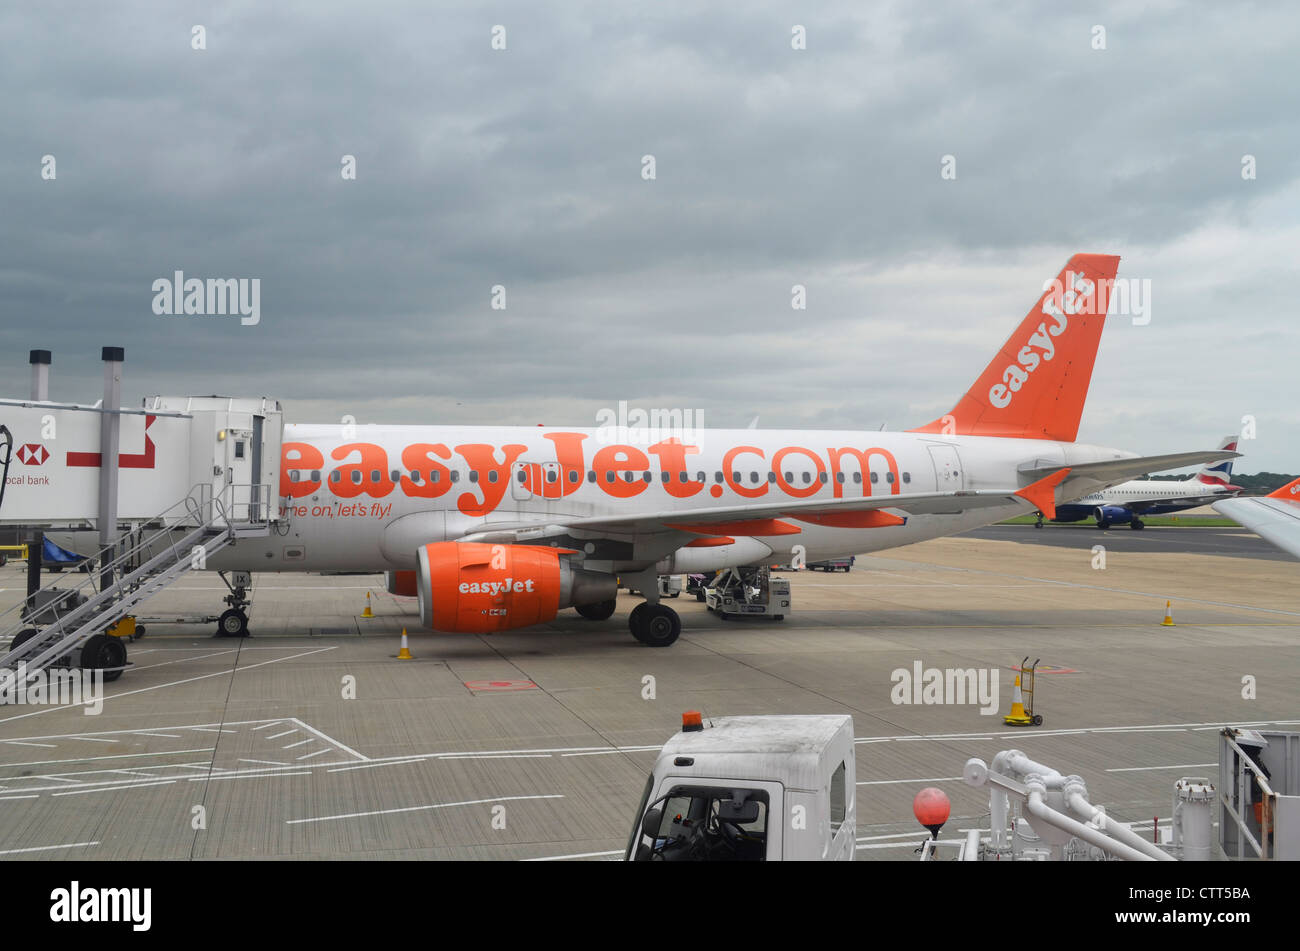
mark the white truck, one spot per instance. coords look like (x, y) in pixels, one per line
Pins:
(758, 788)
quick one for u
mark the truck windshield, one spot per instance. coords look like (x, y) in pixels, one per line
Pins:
(704, 824)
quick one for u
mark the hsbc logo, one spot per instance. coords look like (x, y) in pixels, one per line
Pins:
(32, 454)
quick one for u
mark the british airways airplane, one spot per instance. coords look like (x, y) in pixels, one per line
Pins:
(1129, 501)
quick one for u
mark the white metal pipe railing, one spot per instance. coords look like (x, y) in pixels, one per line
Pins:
(1080, 805)
(1040, 810)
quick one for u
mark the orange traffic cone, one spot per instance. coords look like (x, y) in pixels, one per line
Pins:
(367, 612)
(1169, 615)
(1017, 716)
(405, 652)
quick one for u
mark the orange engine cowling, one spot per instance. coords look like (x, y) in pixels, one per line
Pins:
(476, 587)
(401, 583)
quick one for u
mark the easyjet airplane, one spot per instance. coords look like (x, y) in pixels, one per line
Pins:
(496, 528)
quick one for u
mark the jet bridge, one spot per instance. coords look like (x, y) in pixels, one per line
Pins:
(186, 476)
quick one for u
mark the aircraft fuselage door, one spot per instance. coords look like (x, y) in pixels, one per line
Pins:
(535, 480)
(947, 468)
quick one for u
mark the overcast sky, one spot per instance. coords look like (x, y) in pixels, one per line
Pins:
(523, 167)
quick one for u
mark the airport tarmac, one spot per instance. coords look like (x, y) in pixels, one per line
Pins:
(535, 744)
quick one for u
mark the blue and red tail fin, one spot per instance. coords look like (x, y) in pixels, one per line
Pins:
(1219, 473)
(1036, 385)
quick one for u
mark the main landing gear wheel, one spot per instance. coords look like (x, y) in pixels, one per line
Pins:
(655, 625)
(1039, 523)
(600, 611)
(1136, 524)
(234, 623)
(22, 637)
(102, 651)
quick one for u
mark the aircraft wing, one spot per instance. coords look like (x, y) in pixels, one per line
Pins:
(1275, 517)
(782, 517)
(1086, 478)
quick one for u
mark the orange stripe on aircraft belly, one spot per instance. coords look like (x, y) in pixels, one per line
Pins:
(747, 527)
(872, 519)
(711, 542)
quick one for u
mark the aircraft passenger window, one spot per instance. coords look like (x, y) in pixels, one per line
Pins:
(735, 476)
(522, 477)
(609, 475)
(753, 477)
(807, 477)
(821, 477)
(315, 475)
(839, 477)
(434, 475)
(627, 476)
(591, 475)
(789, 477)
(293, 475)
(551, 476)
(717, 477)
(375, 475)
(681, 477)
(645, 477)
(701, 477)
(356, 476)
(857, 478)
(473, 475)
(492, 475)
(415, 476)
(336, 475)
(771, 477)
(875, 477)
(455, 475)
(889, 477)
(907, 477)
(573, 475)
(395, 475)
(665, 477)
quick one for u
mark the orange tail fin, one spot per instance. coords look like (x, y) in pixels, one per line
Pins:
(1289, 491)
(1036, 385)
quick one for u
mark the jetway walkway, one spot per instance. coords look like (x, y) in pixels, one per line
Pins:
(74, 466)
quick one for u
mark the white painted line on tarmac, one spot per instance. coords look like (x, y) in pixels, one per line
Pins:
(174, 683)
(114, 788)
(48, 848)
(265, 726)
(170, 736)
(253, 774)
(439, 805)
(276, 736)
(329, 739)
(88, 759)
(1147, 769)
(377, 763)
(212, 729)
(21, 743)
(497, 756)
(11, 798)
(575, 855)
(891, 782)
(310, 755)
(289, 746)
(264, 762)
(90, 739)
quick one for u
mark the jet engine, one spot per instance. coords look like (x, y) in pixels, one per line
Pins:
(1108, 514)
(476, 587)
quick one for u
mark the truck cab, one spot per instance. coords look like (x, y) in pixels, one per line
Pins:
(750, 789)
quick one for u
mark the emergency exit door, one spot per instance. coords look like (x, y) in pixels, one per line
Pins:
(947, 468)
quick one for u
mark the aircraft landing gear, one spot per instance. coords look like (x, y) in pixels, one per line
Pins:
(1136, 524)
(599, 611)
(655, 625)
(1039, 523)
(234, 622)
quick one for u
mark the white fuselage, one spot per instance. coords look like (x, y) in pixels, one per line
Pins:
(365, 498)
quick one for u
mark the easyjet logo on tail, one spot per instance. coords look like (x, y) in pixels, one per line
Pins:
(1077, 296)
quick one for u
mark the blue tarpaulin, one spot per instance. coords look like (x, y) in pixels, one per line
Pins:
(52, 553)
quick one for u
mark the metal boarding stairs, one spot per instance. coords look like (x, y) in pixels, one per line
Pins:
(145, 561)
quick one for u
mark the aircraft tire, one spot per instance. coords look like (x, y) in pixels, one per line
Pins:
(600, 611)
(656, 626)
